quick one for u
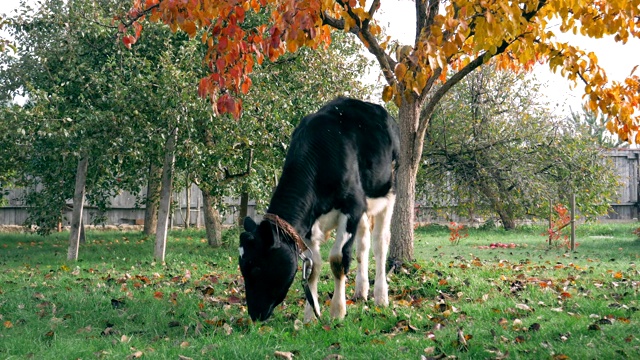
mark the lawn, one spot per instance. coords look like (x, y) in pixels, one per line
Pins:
(456, 301)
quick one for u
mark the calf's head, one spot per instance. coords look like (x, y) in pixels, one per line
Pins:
(268, 264)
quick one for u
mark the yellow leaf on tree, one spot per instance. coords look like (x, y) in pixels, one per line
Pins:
(400, 71)
(387, 93)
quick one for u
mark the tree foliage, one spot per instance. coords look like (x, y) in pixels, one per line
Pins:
(451, 37)
(86, 93)
(454, 36)
(589, 122)
(493, 149)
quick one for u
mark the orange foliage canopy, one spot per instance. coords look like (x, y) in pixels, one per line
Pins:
(453, 37)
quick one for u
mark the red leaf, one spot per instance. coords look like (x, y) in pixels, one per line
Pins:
(128, 41)
(158, 295)
(203, 87)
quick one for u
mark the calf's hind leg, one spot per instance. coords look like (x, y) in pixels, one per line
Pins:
(340, 259)
(381, 239)
(363, 243)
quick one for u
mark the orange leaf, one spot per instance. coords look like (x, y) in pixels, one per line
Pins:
(158, 295)
(8, 324)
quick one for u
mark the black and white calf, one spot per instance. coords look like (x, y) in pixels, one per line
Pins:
(339, 173)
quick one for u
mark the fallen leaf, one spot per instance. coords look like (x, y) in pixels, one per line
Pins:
(135, 355)
(84, 329)
(333, 357)
(182, 357)
(628, 339)
(605, 322)
(8, 324)
(283, 355)
(524, 307)
(534, 327)
(227, 329)
(117, 304)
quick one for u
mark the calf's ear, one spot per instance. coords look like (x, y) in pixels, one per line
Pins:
(265, 234)
(249, 224)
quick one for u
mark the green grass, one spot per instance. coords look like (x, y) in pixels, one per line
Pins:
(528, 302)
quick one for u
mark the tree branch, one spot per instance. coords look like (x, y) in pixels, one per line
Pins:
(387, 64)
(132, 19)
(228, 176)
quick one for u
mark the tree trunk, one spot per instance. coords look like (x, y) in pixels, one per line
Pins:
(153, 199)
(187, 215)
(83, 239)
(497, 204)
(212, 222)
(402, 225)
(78, 204)
(165, 195)
(244, 205)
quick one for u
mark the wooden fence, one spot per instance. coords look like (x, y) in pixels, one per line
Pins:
(124, 208)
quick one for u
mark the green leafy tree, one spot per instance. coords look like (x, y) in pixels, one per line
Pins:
(493, 149)
(594, 125)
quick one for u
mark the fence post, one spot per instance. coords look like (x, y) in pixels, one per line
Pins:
(550, 219)
(573, 222)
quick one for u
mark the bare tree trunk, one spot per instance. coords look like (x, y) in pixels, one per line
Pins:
(165, 195)
(244, 204)
(153, 199)
(187, 215)
(402, 225)
(78, 204)
(212, 221)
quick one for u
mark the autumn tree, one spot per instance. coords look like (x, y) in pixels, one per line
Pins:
(245, 156)
(450, 37)
(493, 148)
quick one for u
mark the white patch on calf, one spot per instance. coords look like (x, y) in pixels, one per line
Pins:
(241, 251)
(376, 205)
